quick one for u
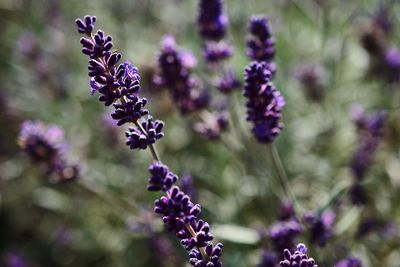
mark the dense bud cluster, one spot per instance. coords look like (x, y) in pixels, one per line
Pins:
(298, 259)
(264, 102)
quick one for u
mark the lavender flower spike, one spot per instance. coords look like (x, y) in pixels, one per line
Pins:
(260, 43)
(298, 259)
(264, 102)
(211, 20)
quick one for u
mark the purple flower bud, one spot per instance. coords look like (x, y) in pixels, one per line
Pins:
(260, 43)
(298, 259)
(136, 139)
(177, 209)
(130, 111)
(86, 25)
(213, 252)
(161, 178)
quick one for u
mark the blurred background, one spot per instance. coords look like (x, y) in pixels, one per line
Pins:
(326, 63)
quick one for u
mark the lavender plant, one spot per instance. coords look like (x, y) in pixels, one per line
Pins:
(119, 85)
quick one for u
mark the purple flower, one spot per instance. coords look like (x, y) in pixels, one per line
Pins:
(137, 139)
(213, 125)
(350, 262)
(283, 234)
(268, 259)
(260, 43)
(371, 130)
(177, 209)
(216, 52)
(392, 64)
(161, 178)
(180, 215)
(211, 20)
(42, 143)
(298, 259)
(213, 253)
(130, 111)
(175, 69)
(200, 239)
(320, 227)
(86, 25)
(313, 79)
(264, 102)
(46, 145)
(228, 82)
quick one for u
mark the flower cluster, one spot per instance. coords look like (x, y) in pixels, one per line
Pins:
(371, 131)
(264, 102)
(175, 73)
(45, 145)
(384, 59)
(211, 20)
(320, 227)
(298, 258)
(118, 84)
(180, 215)
(260, 43)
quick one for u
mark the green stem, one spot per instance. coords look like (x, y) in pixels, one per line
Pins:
(283, 178)
(102, 194)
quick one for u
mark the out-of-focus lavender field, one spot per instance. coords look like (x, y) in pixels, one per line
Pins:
(302, 147)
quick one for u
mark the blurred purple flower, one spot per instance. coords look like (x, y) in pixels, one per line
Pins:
(268, 259)
(216, 52)
(46, 145)
(283, 234)
(350, 262)
(320, 227)
(175, 74)
(228, 82)
(313, 79)
(371, 130)
(211, 20)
